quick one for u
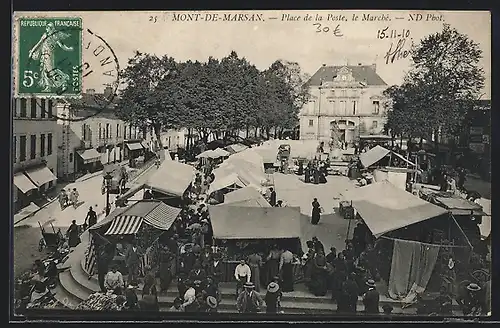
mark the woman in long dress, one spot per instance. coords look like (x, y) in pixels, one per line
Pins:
(43, 51)
(272, 263)
(316, 212)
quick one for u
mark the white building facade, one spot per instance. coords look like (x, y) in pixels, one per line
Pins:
(346, 101)
(91, 137)
(35, 135)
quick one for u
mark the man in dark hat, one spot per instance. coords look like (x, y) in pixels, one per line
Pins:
(249, 301)
(211, 288)
(318, 245)
(371, 298)
(215, 268)
(166, 258)
(197, 273)
(473, 305)
(349, 295)
(133, 256)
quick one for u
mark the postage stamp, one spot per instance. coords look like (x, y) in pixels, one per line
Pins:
(49, 57)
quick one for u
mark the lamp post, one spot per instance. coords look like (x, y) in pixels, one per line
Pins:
(107, 180)
(319, 107)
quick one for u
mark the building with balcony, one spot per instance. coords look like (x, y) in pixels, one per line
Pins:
(346, 101)
(35, 134)
(92, 135)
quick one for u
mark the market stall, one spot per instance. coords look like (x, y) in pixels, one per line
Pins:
(169, 183)
(247, 196)
(239, 231)
(408, 228)
(145, 221)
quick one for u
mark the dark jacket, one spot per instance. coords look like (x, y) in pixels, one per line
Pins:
(215, 271)
(371, 301)
(194, 275)
(131, 257)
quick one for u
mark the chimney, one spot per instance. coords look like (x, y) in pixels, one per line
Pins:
(323, 65)
(108, 91)
(374, 67)
(90, 91)
(359, 64)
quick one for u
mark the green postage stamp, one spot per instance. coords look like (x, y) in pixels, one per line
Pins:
(49, 57)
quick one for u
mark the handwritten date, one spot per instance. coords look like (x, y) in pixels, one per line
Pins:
(326, 29)
(385, 33)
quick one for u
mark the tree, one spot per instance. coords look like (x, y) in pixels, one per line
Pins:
(443, 83)
(146, 100)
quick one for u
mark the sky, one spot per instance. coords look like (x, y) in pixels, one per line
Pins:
(293, 38)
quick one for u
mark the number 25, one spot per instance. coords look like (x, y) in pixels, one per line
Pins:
(153, 18)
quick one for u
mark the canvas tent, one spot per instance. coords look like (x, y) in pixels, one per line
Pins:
(206, 154)
(247, 196)
(386, 208)
(236, 148)
(248, 155)
(171, 178)
(243, 223)
(375, 154)
(231, 180)
(221, 152)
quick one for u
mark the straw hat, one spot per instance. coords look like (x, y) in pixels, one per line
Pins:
(473, 287)
(371, 283)
(212, 302)
(249, 285)
(273, 287)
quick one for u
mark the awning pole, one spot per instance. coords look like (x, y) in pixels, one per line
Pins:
(459, 227)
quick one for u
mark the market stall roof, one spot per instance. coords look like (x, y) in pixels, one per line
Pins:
(386, 208)
(206, 154)
(221, 152)
(40, 175)
(152, 212)
(460, 206)
(241, 222)
(244, 195)
(250, 156)
(246, 174)
(249, 203)
(373, 155)
(171, 178)
(224, 182)
(135, 146)
(108, 219)
(236, 148)
(268, 155)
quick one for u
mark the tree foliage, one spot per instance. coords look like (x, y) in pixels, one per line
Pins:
(442, 84)
(218, 96)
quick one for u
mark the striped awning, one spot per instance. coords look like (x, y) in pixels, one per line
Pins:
(162, 216)
(125, 225)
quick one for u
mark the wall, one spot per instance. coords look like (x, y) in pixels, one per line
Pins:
(174, 138)
(89, 131)
(28, 126)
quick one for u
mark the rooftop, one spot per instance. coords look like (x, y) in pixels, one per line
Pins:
(361, 73)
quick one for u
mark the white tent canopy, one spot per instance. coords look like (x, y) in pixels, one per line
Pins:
(375, 154)
(207, 154)
(386, 208)
(171, 178)
(221, 152)
(225, 182)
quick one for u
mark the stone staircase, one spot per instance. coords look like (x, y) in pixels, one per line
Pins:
(75, 286)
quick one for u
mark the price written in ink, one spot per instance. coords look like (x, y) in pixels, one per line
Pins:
(320, 28)
(386, 33)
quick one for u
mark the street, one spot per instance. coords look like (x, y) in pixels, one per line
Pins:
(27, 232)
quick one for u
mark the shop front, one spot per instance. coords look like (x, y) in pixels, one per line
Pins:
(25, 190)
(42, 177)
(89, 160)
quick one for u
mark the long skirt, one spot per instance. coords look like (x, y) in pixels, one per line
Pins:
(165, 275)
(316, 215)
(255, 277)
(272, 270)
(287, 272)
